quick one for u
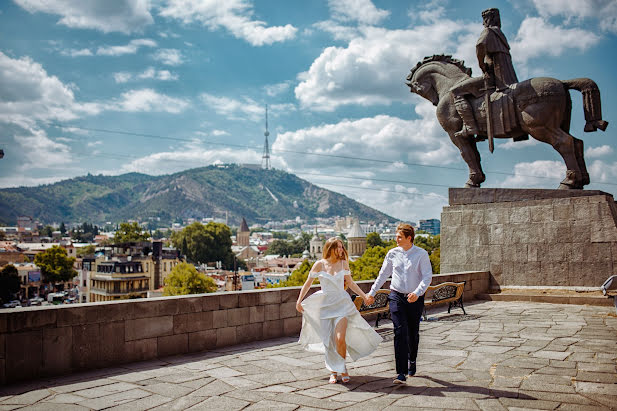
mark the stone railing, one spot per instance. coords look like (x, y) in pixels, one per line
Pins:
(43, 341)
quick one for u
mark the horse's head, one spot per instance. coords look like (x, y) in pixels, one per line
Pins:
(421, 81)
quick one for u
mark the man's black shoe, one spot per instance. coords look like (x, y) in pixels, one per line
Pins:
(412, 369)
(400, 379)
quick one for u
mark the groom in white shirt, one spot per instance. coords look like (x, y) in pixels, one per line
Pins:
(411, 272)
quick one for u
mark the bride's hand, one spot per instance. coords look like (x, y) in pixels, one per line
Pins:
(299, 307)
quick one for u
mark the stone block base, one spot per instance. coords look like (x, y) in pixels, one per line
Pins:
(563, 238)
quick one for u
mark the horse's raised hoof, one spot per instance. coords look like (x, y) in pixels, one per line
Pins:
(470, 184)
(563, 186)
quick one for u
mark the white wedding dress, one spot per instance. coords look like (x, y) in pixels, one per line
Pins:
(323, 310)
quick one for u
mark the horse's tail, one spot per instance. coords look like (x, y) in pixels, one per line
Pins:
(591, 102)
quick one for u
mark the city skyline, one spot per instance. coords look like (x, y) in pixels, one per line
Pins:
(159, 87)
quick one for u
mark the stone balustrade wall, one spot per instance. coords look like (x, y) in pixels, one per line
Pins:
(52, 340)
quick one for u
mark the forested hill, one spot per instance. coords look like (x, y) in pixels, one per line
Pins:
(256, 194)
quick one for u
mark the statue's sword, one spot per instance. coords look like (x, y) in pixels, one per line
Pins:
(489, 122)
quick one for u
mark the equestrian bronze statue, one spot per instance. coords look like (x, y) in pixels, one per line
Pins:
(497, 105)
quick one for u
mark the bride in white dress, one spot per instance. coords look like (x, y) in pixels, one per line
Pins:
(331, 324)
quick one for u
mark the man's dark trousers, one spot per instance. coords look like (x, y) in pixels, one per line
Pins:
(406, 320)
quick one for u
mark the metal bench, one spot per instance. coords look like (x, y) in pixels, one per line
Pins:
(381, 306)
(449, 292)
(609, 289)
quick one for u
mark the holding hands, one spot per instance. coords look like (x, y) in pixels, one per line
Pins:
(411, 297)
(369, 299)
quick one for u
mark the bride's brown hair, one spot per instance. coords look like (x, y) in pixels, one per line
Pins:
(330, 245)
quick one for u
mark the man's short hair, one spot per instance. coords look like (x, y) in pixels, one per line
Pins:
(407, 230)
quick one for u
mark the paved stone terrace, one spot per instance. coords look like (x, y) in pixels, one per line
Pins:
(502, 355)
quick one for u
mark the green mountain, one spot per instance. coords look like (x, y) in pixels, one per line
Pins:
(215, 191)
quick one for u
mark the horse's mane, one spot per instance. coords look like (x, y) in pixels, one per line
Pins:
(444, 58)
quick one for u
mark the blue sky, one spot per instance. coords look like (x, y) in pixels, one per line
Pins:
(160, 86)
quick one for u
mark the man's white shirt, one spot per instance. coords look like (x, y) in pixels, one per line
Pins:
(410, 270)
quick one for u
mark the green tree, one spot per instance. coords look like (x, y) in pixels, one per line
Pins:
(47, 231)
(206, 243)
(293, 247)
(9, 282)
(55, 265)
(86, 250)
(280, 247)
(373, 240)
(62, 228)
(367, 267)
(129, 232)
(435, 258)
(185, 279)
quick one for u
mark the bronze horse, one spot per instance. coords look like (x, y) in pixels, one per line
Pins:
(540, 107)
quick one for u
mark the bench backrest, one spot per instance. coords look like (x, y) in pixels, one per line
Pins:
(381, 302)
(445, 291)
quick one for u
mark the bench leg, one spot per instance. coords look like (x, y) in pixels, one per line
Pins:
(377, 320)
(449, 307)
(424, 313)
(460, 301)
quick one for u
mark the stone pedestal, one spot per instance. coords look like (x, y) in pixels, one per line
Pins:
(524, 237)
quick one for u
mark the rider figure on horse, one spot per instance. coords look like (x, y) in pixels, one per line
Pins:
(493, 52)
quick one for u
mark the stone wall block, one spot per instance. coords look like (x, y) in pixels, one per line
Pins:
(288, 310)
(582, 231)
(520, 215)
(190, 322)
(585, 211)
(202, 340)
(57, 350)
(155, 308)
(226, 336)
(112, 349)
(557, 252)
(467, 217)
(248, 299)
(603, 231)
(451, 218)
(555, 273)
(67, 316)
(219, 319)
(292, 326)
(228, 300)
(24, 355)
(541, 213)
(31, 319)
(272, 312)
(249, 333)
(141, 350)
(496, 234)
(238, 316)
(598, 252)
(86, 346)
(269, 297)
(172, 345)
(272, 329)
(563, 212)
(190, 305)
(290, 294)
(210, 302)
(149, 327)
(108, 312)
(256, 314)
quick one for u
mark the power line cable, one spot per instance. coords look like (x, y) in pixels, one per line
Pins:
(376, 160)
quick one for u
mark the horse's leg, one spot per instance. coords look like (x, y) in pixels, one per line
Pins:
(579, 151)
(469, 152)
(565, 145)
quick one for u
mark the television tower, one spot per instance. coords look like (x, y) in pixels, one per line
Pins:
(265, 158)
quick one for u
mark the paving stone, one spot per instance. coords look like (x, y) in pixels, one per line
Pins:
(595, 388)
(490, 404)
(510, 403)
(65, 399)
(271, 405)
(216, 387)
(220, 403)
(28, 398)
(168, 390)
(47, 406)
(436, 402)
(181, 403)
(107, 401)
(142, 404)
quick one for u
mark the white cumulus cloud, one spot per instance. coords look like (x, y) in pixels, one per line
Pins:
(242, 109)
(236, 16)
(537, 37)
(605, 11)
(170, 57)
(361, 11)
(125, 16)
(538, 174)
(368, 71)
(601, 151)
(130, 48)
